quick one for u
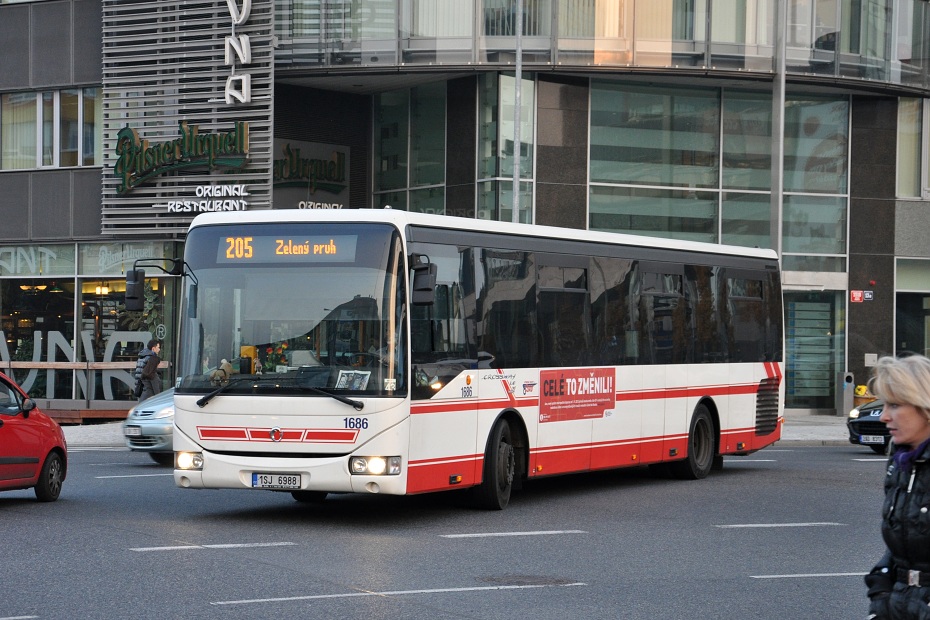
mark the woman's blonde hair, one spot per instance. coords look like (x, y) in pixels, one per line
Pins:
(904, 381)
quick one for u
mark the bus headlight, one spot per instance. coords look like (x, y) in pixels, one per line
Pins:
(375, 465)
(189, 460)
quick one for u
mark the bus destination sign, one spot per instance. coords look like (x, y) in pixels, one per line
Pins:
(247, 249)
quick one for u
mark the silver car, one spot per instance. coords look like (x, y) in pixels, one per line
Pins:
(149, 426)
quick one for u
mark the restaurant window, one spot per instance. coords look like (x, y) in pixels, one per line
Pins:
(51, 129)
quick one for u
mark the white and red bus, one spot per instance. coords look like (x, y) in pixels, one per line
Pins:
(379, 351)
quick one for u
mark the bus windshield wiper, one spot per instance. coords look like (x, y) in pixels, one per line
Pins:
(356, 404)
(231, 382)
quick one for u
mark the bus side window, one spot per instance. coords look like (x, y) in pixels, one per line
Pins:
(564, 316)
(666, 318)
(748, 329)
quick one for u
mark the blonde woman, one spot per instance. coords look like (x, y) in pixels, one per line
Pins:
(899, 585)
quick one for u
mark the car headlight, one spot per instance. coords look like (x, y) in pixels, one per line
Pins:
(375, 465)
(189, 460)
(853, 414)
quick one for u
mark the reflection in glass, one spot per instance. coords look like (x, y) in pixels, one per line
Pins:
(17, 131)
(746, 219)
(747, 141)
(293, 322)
(673, 214)
(92, 128)
(654, 135)
(814, 224)
(428, 134)
(69, 126)
(495, 201)
(816, 144)
(48, 128)
(390, 143)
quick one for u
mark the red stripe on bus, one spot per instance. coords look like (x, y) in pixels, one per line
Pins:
(286, 435)
(220, 433)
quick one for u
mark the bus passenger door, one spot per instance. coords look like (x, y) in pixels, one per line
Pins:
(444, 394)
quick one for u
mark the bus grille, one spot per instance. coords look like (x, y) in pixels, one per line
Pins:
(767, 406)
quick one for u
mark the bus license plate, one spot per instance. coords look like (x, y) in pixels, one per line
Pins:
(275, 481)
(871, 439)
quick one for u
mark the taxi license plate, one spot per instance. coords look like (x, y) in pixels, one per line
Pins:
(132, 431)
(871, 439)
(275, 481)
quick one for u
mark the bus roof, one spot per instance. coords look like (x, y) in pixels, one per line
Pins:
(401, 219)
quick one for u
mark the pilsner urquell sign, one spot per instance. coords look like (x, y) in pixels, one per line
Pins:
(138, 160)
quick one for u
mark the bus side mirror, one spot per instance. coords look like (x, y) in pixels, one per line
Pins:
(424, 284)
(135, 290)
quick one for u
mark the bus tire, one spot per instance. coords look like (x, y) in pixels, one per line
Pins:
(701, 443)
(309, 497)
(499, 469)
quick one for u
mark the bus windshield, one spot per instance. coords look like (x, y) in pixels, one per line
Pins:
(287, 308)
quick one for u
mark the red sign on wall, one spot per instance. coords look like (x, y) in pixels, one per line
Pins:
(576, 394)
(855, 297)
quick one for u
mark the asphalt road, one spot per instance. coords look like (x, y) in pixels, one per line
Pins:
(785, 533)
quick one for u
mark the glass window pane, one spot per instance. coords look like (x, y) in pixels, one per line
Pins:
(391, 111)
(496, 126)
(814, 224)
(675, 214)
(428, 134)
(747, 141)
(909, 147)
(69, 127)
(93, 128)
(816, 145)
(654, 136)
(430, 200)
(48, 128)
(495, 201)
(17, 131)
(831, 264)
(747, 219)
(912, 275)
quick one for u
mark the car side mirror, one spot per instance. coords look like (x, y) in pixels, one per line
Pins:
(28, 405)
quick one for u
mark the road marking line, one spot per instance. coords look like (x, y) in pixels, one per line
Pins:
(807, 575)
(221, 546)
(132, 476)
(391, 593)
(878, 460)
(493, 534)
(755, 461)
(745, 525)
(18, 617)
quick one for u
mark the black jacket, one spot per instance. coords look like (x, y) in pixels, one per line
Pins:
(147, 365)
(906, 532)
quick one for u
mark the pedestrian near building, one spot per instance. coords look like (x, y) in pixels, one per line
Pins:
(899, 585)
(147, 370)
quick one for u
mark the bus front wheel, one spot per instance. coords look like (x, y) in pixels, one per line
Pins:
(499, 469)
(701, 443)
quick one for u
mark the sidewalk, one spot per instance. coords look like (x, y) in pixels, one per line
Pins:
(799, 429)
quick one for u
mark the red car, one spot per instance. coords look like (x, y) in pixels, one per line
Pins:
(33, 451)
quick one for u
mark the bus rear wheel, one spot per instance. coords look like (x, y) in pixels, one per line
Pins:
(500, 463)
(701, 444)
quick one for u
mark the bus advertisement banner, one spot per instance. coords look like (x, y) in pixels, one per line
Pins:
(576, 393)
